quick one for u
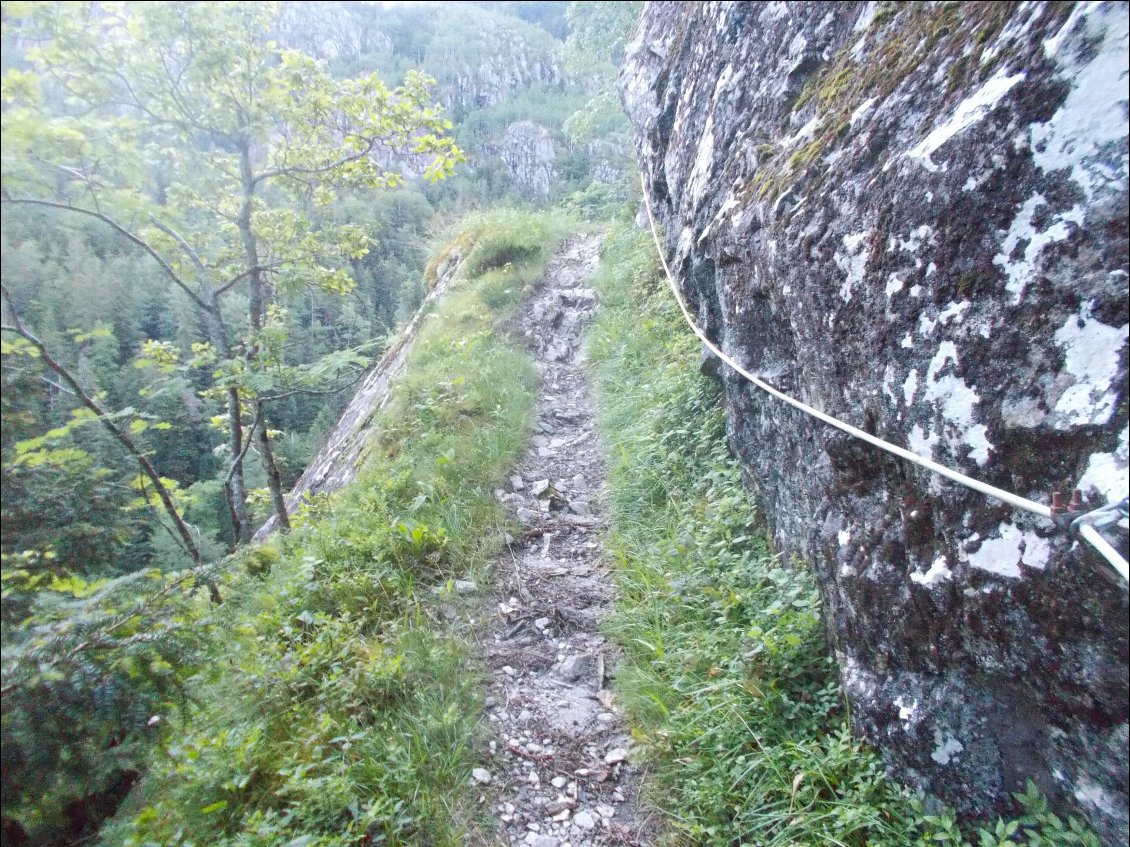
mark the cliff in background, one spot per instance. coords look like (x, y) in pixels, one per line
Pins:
(915, 218)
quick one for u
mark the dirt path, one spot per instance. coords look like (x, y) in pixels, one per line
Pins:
(558, 773)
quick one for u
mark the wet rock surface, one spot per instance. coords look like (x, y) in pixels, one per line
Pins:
(558, 770)
(914, 217)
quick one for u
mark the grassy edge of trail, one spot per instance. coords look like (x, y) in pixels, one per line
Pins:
(726, 678)
(338, 702)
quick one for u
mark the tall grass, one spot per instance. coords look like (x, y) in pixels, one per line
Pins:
(727, 680)
(340, 701)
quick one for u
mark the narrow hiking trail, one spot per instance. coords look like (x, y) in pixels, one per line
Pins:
(557, 773)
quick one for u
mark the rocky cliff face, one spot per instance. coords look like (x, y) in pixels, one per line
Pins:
(914, 217)
(527, 151)
(489, 59)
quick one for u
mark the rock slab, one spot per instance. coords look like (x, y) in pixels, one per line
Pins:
(914, 217)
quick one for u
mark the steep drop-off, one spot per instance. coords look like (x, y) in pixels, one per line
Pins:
(915, 218)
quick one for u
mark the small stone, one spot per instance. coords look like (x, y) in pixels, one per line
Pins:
(574, 667)
(562, 816)
(606, 717)
(558, 782)
(481, 776)
(490, 702)
(554, 807)
(533, 839)
(541, 623)
(579, 483)
(526, 515)
(615, 756)
(540, 487)
(533, 778)
(584, 820)
(580, 508)
(605, 811)
(533, 748)
(517, 483)
(465, 586)
(525, 715)
(509, 671)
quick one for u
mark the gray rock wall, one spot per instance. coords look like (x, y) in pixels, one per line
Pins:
(914, 217)
(527, 151)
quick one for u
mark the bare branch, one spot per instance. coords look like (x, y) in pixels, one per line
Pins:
(193, 256)
(125, 232)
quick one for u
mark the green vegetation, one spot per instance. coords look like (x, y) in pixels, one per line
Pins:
(188, 132)
(329, 698)
(727, 678)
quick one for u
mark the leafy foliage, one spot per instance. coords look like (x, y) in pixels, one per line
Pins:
(188, 132)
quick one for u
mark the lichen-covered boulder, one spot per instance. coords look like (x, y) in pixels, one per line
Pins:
(914, 217)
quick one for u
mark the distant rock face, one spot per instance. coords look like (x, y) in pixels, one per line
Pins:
(610, 158)
(914, 217)
(528, 153)
(492, 61)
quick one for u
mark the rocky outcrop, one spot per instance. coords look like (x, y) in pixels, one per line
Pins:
(338, 462)
(610, 158)
(527, 151)
(489, 58)
(914, 217)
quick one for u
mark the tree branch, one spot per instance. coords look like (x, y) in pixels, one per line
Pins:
(120, 435)
(121, 230)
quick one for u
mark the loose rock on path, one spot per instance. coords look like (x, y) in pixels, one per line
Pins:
(558, 770)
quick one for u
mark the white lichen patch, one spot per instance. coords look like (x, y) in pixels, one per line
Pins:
(1091, 354)
(937, 572)
(907, 714)
(956, 401)
(700, 173)
(945, 749)
(1020, 271)
(1108, 474)
(889, 383)
(1091, 794)
(862, 24)
(1094, 115)
(862, 110)
(805, 133)
(971, 110)
(1011, 548)
(852, 260)
(921, 442)
(907, 342)
(910, 386)
(844, 537)
(894, 285)
(913, 241)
